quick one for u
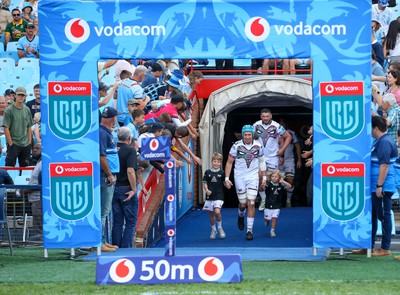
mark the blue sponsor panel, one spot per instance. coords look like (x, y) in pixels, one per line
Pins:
(170, 270)
(170, 240)
(185, 186)
(156, 148)
(342, 201)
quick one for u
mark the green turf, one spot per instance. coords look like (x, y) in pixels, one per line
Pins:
(29, 273)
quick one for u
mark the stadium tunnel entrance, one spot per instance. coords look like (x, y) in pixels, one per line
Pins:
(240, 103)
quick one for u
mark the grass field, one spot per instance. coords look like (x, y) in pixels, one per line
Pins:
(27, 272)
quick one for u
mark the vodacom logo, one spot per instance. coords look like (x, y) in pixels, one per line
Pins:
(257, 29)
(77, 30)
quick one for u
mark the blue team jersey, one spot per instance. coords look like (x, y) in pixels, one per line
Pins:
(128, 89)
(108, 148)
(24, 43)
(384, 151)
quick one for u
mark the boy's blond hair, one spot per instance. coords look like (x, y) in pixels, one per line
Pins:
(217, 156)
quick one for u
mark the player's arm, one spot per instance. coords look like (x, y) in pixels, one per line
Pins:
(228, 169)
(286, 140)
(298, 153)
(263, 171)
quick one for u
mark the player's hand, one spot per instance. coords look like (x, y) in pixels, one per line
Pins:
(208, 192)
(298, 164)
(263, 184)
(228, 184)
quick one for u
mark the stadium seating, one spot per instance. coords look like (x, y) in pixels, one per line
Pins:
(1, 46)
(32, 63)
(11, 54)
(12, 46)
(2, 39)
(8, 63)
(30, 91)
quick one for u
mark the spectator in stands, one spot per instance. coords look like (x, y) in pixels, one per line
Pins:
(105, 65)
(177, 133)
(133, 104)
(156, 91)
(138, 120)
(376, 46)
(17, 124)
(36, 128)
(2, 108)
(153, 76)
(27, 12)
(15, 29)
(391, 112)
(109, 165)
(172, 109)
(5, 4)
(34, 104)
(155, 130)
(172, 64)
(103, 89)
(377, 69)
(125, 201)
(393, 80)
(130, 88)
(5, 18)
(33, 4)
(189, 89)
(36, 24)
(302, 62)
(121, 65)
(9, 95)
(28, 45)
(35, 196)
(384, 15)
(391, 44)
(224, 66)
(274, 63)
(36, 154)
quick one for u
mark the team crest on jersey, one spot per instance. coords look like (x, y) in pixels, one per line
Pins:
(248, 155)
(266, 133)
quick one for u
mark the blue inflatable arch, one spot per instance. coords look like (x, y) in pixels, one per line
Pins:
(74, 35)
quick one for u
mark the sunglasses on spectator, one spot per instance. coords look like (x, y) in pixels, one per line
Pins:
(16, 14)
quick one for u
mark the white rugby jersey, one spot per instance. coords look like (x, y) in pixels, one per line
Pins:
(268, 136)
(246, 158)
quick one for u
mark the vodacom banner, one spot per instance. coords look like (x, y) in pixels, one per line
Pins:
(342, 203)
(71, 208)
(77, 34)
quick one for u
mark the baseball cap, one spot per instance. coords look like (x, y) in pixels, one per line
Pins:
(30, 25)
(133, 101)
(20, 90)
(109, 112)
(383, 3)
(103, 87)
(9, 91)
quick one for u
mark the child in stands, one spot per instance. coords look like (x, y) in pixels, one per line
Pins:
(273, 202)
(213, 184)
